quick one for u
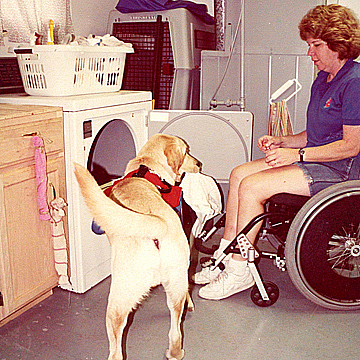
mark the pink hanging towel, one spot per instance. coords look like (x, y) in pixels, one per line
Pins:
(41, 178)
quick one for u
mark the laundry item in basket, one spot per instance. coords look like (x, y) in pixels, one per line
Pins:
(94, 40)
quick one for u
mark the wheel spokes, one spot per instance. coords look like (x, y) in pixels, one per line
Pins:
(344, 252)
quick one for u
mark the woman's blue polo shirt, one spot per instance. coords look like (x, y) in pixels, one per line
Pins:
(333, 104)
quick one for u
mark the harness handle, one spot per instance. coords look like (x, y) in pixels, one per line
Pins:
(143, 169)
(141, 172)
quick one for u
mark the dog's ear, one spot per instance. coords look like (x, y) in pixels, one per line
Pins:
(175, 154)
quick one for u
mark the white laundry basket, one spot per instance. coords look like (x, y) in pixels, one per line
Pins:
(63, 70)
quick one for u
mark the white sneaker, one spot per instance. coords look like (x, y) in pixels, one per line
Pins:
(206, 275)
(227, 284)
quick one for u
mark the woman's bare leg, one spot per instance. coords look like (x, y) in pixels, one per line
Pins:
(253, 189)
(206, 275)
(232, 204)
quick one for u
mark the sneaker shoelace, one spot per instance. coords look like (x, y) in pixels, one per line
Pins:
(221, 277)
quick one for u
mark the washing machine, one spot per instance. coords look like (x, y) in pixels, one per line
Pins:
(221, 140)
(102, 132)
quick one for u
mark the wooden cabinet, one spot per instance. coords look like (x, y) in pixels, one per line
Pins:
(27, 271)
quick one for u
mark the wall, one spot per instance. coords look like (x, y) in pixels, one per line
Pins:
(352, 4)
(91, 16)
(274, 53)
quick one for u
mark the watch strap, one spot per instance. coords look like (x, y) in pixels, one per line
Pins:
(301, 153)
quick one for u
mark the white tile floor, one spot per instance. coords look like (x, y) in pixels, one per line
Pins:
(70, 326)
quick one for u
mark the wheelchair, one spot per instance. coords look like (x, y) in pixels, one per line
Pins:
(316, 239)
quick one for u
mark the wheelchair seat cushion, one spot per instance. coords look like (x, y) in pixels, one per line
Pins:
(289, 200)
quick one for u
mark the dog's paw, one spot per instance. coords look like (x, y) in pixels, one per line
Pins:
(169, 356)
(190, 307)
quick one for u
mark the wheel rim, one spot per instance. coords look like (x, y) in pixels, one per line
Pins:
(328, 251)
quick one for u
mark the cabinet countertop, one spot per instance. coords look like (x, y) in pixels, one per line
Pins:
(8, 111)
(11, 114)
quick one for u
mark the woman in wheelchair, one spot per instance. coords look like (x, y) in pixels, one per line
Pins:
(326, 153)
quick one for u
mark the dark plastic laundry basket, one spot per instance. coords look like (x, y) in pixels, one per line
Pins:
(151, 67)
(10, 77)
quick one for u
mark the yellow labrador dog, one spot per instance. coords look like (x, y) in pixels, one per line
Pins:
(148, 244)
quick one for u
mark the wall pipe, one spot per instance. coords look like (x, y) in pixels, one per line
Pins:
(240, 102)
(242, 58)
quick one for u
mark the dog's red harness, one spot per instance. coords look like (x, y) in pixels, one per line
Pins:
(170, 193)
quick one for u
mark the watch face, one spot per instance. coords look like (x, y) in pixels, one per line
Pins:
(301, 151)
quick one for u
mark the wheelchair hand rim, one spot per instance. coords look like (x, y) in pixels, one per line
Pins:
(304, 282)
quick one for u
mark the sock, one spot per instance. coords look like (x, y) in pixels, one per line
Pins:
(236, 267)
(223, 245)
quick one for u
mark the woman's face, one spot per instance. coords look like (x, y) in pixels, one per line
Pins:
(324, 58)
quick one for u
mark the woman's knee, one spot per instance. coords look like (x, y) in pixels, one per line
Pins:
(244, 170)
(251, 188)
(236, 175)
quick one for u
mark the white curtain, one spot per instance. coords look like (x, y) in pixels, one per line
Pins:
(22, 18)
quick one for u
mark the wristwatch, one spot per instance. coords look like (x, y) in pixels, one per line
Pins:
(301, 153)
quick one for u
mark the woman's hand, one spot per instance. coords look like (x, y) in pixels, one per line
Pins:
(268, 142)
(281, 156)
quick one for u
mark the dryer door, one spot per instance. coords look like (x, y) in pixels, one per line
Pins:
(110, 151)
(221, 140)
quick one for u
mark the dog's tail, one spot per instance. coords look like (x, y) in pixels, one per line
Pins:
(113, 218)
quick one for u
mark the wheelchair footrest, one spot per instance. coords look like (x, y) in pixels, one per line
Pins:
(210, 262)
(245, 245)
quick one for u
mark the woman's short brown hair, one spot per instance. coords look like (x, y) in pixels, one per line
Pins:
(337, 25)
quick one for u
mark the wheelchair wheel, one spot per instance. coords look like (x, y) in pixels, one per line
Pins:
(322, 248)
(271, 289)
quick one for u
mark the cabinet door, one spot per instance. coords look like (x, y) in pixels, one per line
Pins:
(27, 252)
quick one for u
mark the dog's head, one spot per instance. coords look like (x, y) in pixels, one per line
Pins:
(178, 157)
(168, 156)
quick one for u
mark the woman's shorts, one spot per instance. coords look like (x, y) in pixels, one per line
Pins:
(321, 175)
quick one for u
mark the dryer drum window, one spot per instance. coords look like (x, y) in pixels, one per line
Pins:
(110, 152)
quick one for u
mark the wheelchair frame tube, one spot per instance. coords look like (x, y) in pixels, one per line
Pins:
(231, 248)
